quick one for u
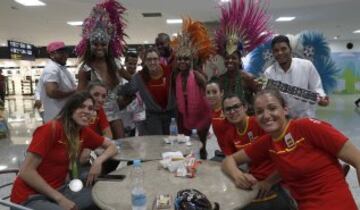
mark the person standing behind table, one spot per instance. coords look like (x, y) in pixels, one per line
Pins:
(101, 43)
(193, 110)
(57, 82)
(162, 43)
(297, 72)
(153, 83)
(305, 152)
(2, 86)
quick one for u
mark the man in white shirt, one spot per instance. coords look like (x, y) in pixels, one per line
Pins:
(296, 72)
(57, 83)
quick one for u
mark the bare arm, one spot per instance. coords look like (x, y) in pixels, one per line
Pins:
(29, 174)
(107, 133)
(349, 153)
(95, 170)
(83, 80)
(230, 167)
(53, 91)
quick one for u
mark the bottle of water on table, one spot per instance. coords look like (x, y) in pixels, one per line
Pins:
(138, 195)
(173, 132)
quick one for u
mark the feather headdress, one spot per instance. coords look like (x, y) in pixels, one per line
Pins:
(244, 24)
(194, 41)
(307, 45)
(105, 24)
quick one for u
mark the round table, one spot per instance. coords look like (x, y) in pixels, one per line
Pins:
(150, 148)
(209, 179)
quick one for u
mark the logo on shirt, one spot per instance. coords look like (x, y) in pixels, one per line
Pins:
(289, 140)
(250, 135)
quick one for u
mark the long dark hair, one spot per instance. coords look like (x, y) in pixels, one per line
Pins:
(88, 57)
(71, 128)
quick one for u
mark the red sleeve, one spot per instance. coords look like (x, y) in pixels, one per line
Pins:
(323, 135)
(221, 128)
(103, 122)
(44, 138)
(259, 150)
(91, 139)
(228, 147)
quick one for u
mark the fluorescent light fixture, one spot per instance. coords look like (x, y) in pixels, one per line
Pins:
(30, 3)
(224, 1)
(174, 34)
(336, 37)
(356, 31)
(174, 21)
(146, 42)
(285, 19)
(75, 23)
(2, 167)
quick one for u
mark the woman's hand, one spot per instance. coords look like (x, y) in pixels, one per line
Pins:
(244, 180)
(67, 204)
(264, 189)
(94, 172)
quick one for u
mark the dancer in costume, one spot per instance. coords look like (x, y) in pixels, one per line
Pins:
(192, 46)
(305, 153)
(102, 42)
(243, 26)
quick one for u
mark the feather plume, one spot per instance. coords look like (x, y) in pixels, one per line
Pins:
(244, 24)
(107, 14)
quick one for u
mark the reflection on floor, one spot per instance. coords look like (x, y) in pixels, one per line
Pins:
(22, 120)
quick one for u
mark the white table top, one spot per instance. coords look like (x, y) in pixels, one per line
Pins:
(209, 179)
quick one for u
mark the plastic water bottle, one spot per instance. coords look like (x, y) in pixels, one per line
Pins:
(138, 195)
(194, 135)
(173, 127)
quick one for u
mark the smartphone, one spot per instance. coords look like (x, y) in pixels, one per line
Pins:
(111, 177)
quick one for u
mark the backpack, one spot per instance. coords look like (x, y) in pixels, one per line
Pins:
(192, 199)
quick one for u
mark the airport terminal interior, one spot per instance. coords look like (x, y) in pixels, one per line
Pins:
(27, 30)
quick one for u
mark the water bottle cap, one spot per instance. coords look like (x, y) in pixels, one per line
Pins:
(173, 119)
(137, 163)
(194, 131)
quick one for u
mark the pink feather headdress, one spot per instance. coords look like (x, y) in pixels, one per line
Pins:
(106, 23)
(244, 24)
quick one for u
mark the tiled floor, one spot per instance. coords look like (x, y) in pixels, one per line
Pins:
(22, 121)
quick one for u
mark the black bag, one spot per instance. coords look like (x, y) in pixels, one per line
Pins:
(192, 199)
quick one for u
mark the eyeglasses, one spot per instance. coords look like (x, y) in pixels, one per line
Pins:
(235, 107)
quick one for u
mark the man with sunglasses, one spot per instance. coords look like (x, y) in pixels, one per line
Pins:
(57, 83)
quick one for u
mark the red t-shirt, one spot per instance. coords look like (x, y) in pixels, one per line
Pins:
(159, 88)
(306, 157)
(220, 126)
(52, 149)
(236, 140)
(100, 122)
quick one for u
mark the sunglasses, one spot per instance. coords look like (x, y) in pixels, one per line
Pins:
(235, 107)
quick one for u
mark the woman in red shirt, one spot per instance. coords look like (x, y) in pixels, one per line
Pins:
(305, 153)
(153, 85)
(56, 145)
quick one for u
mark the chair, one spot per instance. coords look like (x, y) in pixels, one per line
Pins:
(4, 200)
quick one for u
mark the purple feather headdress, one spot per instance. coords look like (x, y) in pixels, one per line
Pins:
(106, 23)
(244, 24)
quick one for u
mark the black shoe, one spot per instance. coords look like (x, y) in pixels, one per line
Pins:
(203, 154)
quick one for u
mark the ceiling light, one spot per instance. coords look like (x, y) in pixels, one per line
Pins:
(174, 34)
(146, 42)
(174, 21)
(2, 167)
(285, 19)
(357, 31)
(75, 23)
(30, 3)
(336, 37)
(224, 1)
